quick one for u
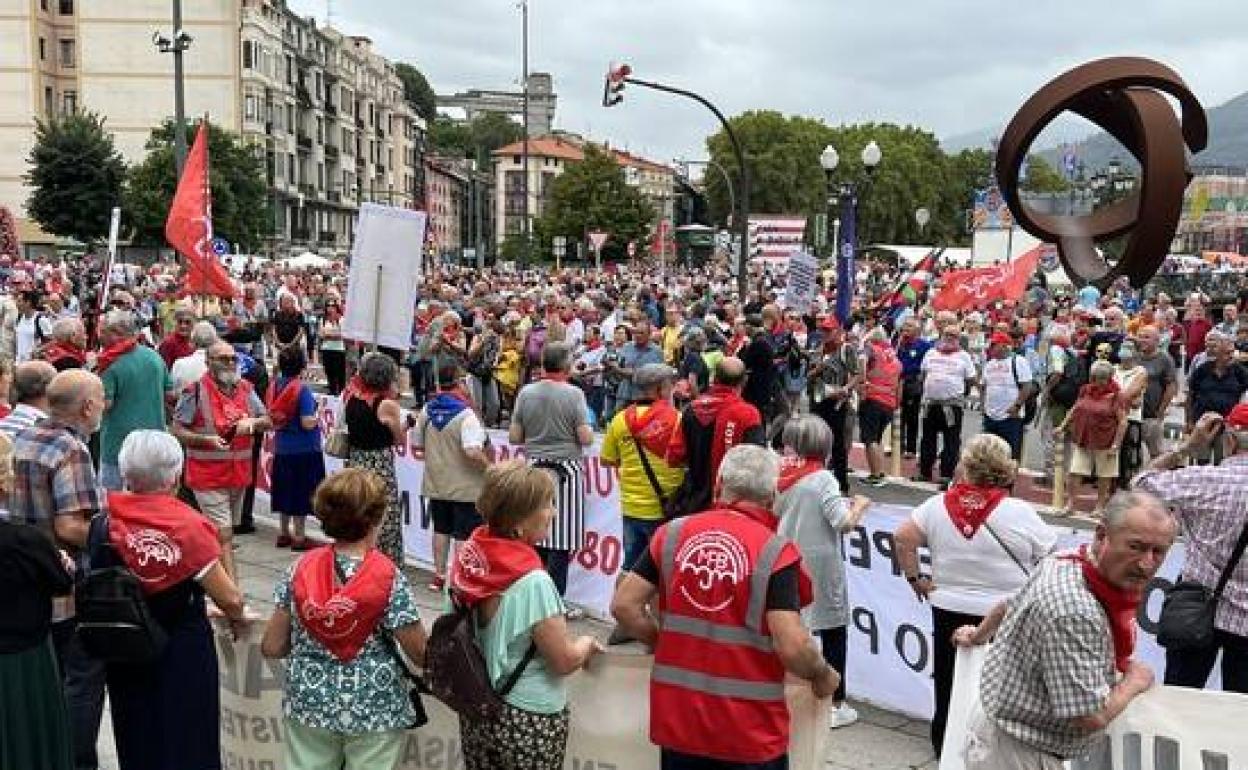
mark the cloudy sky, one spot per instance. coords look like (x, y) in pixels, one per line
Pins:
(951, 66)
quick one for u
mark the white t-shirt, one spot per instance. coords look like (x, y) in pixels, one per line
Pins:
(946, 374)
(27, 339)
(971, 576)
(1000, 390)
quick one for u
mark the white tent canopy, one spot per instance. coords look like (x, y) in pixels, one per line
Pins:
(307, 259)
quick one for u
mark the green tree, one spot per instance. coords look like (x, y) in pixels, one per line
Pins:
(448, 136)
(76, 176)
(241, 209)
(417, 92)
(1043, 178)
(593, 195)
(476, 140)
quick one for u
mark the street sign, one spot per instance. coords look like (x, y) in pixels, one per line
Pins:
(821, 230)
(220, 247)
(632, 249)
(597, 238)
(559, 244)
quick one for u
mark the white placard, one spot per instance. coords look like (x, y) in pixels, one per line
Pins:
(385, 274)
(800, 290)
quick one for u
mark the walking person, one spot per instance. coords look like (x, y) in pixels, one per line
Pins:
(375, 426)
(881, 395)
(948, 373)
(984, 546)
(1097, 423)
(298, 463)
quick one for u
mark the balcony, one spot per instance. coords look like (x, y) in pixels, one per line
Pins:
(328, 237)
(308, 190)
(330, 109)
(300, 234)
(359, 122)
(305, 143)
(335, 196)
(381, 132)
(303, 96)
(381, 170)
(331, 152)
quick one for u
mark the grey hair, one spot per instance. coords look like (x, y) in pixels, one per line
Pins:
(203, 335)
(150, 461)
(987, 461)
(65, 329)
(556, 357)
(808, 436)
(121, 322)
(1124, 502)
(749, 472)
(31, 380)
(1101, 371)
(378, 370)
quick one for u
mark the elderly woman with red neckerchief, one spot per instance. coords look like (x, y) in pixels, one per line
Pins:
(984, 545)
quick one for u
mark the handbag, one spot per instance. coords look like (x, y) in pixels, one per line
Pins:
(337, 443)
(114, 622)
(1188, 611)
(415, 686)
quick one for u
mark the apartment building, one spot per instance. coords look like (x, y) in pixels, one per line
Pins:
(460, 200)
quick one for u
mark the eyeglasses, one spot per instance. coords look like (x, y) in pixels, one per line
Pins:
(226, 359)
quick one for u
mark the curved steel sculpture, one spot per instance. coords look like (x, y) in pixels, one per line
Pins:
(1126, 97)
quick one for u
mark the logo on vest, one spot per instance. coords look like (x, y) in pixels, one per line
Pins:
(151, 548)
(717, 562)
(472, 560)
(328, 614)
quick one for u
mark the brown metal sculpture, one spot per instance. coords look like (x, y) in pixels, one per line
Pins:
(1125, 97)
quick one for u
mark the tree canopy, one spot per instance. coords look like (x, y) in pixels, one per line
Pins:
(1042, 178)
(417, 92)
(475, 140)
(76, 176)
(593, 195)
(241, 209)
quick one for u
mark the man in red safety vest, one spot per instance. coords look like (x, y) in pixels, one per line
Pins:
(729, 593)
(217, 418)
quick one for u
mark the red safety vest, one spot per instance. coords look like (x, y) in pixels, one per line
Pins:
(226, 468)
(881, 379)
(717, 687)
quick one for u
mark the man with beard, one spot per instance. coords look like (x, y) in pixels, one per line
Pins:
(217, 419)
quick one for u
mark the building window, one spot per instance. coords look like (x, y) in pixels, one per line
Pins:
(290, 167)
(290, 118)
(43, 48)
(43, 5)
(69, 101)
(249, 58)
(66, 7)
(48, 104)
(67, 52)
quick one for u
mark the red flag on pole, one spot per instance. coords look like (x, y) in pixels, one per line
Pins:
(980, 287)
(189, 226)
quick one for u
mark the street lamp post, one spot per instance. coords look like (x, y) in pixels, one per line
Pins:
(844, 195)
(921, 217)
(180, 42)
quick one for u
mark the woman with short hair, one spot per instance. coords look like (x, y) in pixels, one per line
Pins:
(346, 703)
(166, 712)
(374, 427)
(520, 624)
(813, 515)
(333, 349)
(1097, 423)
(983, 546)
(298, 464)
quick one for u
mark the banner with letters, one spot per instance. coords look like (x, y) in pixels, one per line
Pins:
(890, 648)
(609, 704)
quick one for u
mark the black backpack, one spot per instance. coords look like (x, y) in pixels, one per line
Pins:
(455, 669)
(115, 623)
(1065, 391)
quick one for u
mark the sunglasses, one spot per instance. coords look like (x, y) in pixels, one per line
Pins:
(226, 359)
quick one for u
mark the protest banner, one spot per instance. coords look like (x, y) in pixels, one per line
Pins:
(385, 272)
(800, 290)
(1156, 732)
(979, 287)
(890, 631)
(609, 705)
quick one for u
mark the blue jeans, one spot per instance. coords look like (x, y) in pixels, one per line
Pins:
(1010, 429)
(110, 477)
(637, 534)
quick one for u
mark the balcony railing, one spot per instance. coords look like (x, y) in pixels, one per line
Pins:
(331, 152)
(305, 143)
(308, 190)
(300, 234)
(328, 236)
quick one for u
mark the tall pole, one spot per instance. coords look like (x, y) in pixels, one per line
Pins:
(524, 79)
(179, 92)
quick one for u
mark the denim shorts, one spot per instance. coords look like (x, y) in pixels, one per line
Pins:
(637, 534)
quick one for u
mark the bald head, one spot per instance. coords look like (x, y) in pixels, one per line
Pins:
(730, 371)
(76, 397)
(30, 382)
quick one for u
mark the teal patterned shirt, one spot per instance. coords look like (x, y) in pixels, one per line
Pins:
(368, 694)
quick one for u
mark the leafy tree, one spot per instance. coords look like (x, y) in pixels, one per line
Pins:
(593, 195)
(241, 209)
(1043, 178)
(9, 245)
(417, 92)
(76, 176)
(448, 136)
(476, 140)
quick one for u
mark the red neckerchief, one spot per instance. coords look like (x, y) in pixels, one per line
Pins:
(225, 411)
(793, 469)
(284, 406)
(969, 506)
(357, 388)
(110, 354)
(593, 344)
(56, 350)
(1119, 605)
(486, 565)
(342, 617)
(653, 429)
(162, 540)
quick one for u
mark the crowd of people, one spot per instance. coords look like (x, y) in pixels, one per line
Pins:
(132, 428)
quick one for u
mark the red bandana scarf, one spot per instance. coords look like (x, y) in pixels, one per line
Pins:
(342, 617)
(110, 354)
(60, 351)
(793, 469)
(357, 388)
(969, 506)
(162, 540)
(486, 565)
(1119, 605)
(653, 430)
(284, 405)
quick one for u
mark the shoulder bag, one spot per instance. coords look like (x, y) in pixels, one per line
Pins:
(1006, 548)
(668, 506)
(114, 622)
(1188, 611)
(337, 444)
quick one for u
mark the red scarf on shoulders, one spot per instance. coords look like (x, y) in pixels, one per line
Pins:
(57, 350)
(793, 469)
(284, 406)
(653, 429)
(486, 565)
(356, 387)
(342, 617)
(109, 355)
(969, 506)
(226, 409)
(1119, 605)
(162, 540)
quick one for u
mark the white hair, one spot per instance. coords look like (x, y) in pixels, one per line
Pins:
(150, 461)
(203, 335)
(749, 472)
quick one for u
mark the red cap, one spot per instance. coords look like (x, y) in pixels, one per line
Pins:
(1237, 418)
(1001, 338)
(828, 323)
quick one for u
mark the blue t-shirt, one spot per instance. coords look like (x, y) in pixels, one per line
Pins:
(294, 438)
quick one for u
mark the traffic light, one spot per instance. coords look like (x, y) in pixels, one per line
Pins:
(613, 86)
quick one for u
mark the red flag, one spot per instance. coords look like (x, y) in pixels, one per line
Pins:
(980, 287)
(189, 226)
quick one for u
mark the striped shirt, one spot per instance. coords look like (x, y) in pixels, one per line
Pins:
(22, 417)
(1211, 504)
